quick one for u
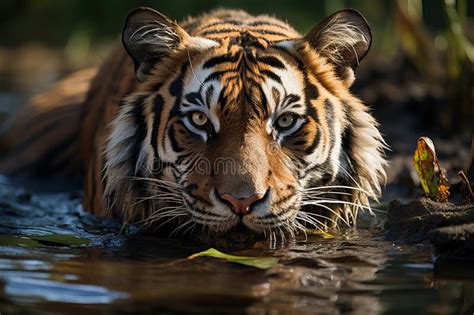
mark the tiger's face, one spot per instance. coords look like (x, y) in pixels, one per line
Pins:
(244, 138)
(244, 129)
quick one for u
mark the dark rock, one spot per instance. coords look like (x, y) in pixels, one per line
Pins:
(24, 197)
(412, 222)
(453, 242)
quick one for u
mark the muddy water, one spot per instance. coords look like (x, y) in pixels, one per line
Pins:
(57, 259)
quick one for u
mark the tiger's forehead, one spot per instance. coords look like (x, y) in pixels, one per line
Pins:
(236, 78)
(263, 27)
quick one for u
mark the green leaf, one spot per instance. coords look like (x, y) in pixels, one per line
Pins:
(60, 240)
(15, 240)
(32, 241)
(257, 262)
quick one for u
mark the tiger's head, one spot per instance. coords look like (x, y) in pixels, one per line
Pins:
(240, 121)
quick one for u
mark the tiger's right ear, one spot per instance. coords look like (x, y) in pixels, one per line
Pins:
(149, 35)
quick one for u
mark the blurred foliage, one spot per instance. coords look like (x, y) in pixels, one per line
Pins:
(56, 21)
(436, 36)
(78, 24)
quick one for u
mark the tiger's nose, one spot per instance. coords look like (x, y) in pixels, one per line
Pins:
(241, 206)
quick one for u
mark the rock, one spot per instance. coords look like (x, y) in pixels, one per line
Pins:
(412, 222)
(453, 242)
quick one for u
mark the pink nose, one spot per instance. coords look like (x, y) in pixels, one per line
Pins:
(241, 206)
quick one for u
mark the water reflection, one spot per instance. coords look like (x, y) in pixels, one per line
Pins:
(354, 273)
(36, 290)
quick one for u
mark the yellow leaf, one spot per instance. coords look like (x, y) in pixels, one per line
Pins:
(433, 181)
(257, 262)
(320, 233)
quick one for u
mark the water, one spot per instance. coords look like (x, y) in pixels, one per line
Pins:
(57, 259)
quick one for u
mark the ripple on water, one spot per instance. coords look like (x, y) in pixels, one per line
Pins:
(356, 272)
(40, 290)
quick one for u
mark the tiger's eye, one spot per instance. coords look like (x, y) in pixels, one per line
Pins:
(285, 120)
(200, 119)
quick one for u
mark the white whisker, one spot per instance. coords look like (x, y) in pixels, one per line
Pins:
(320, 204)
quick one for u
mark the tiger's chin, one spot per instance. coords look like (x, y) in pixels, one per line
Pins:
(238, 236)
(245, 236)
(250, 228)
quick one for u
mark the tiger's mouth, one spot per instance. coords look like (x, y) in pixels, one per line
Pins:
(263, 219)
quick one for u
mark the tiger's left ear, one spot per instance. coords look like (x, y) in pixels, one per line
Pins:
(344, 38)
(148, 36)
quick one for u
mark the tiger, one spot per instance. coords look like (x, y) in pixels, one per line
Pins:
(223, 122)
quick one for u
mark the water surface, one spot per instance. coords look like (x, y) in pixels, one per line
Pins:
(57, 259)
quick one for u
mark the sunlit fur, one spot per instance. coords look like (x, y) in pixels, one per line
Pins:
(143, 157)
(319, 174)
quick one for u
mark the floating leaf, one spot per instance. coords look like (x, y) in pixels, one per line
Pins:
(60, 240)
(431, 175)
(320, 233)
(15, 240)
(32, 241)
(257, 262)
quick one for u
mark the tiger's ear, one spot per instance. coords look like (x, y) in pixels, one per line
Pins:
(149, 35)
(344, 38)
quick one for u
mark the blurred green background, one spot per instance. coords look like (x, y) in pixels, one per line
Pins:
(426, 42)
(59, 22)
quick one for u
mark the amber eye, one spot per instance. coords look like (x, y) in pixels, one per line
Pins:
(199, 119)
(285, 121)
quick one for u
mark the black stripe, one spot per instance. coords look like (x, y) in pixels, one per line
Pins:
(255, 44)
(209, 93)
(310, 111)
(157, 86)
(300, 142)
(158, 103)
(271, 61)
(216, 75)
(259, 102)
(344, 157)
(264, 100)
(291, 98)
(176, 87)
(222, 22)
(263, 23)
(194, 98)
(222, 100)
(326, 167)
(140, 122)
(172, 137)
(267, 32)
(311, 91)
(220, 31)
(220, 60)
(176, 90)
(271, 75)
